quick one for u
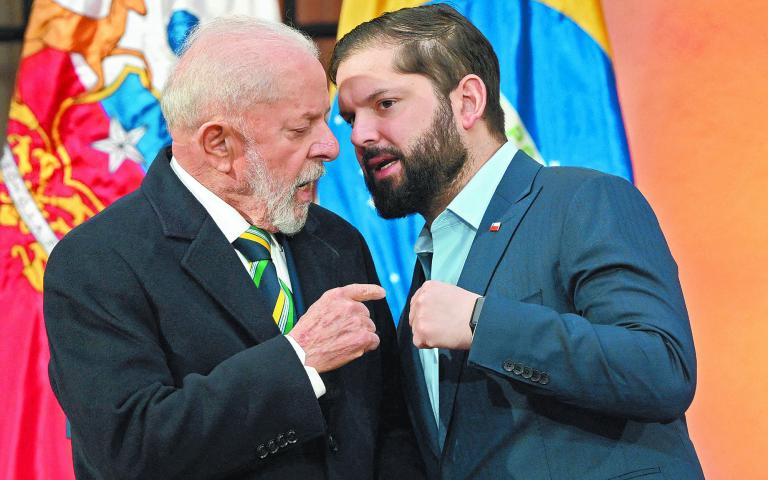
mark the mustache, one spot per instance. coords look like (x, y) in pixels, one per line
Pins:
(311, 173)
(374, 151)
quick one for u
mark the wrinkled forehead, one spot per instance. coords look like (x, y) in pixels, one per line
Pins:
(301, 89)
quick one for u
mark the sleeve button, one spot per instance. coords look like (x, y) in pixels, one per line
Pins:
(272, 446)
(527, 372)
(282, 442)
(544, 379)
(291, 436)
(508, 365)
(536, 375)
(517, 369)
(262, 451)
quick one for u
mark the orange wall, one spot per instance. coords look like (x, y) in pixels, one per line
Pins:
(693, 83)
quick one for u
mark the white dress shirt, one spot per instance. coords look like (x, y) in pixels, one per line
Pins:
(232, 224)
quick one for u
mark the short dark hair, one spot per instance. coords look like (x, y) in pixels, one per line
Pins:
(435, 41)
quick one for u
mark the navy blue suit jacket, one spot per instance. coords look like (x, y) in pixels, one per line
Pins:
(582, 364)
(168, 364)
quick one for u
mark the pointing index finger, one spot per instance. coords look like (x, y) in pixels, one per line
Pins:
(362, 292)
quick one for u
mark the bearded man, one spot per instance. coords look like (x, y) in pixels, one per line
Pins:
(546, 335)
(215, 323)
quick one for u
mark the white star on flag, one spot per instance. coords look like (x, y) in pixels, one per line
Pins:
(120, 145)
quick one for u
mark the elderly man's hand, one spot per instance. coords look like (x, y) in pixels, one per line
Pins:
(337, 328)
(440, 314)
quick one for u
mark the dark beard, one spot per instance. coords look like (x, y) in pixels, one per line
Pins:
(427, 173)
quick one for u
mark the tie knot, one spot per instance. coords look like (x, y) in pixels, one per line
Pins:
(254, 244)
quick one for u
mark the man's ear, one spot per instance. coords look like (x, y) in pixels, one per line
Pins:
(219, 143)
(470, 94)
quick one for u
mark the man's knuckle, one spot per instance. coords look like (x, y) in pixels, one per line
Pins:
(349, 308)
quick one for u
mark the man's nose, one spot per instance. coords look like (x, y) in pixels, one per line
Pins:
(364, 132)
(327, 147)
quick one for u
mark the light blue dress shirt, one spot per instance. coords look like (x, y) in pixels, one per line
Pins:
(447, 243)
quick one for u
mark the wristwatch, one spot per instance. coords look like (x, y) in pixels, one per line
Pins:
(476, 313)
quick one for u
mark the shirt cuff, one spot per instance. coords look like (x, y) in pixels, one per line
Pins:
(317, 383)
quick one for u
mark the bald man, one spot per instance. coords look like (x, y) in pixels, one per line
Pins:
(215, 323)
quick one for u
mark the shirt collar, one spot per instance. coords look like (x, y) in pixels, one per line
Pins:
(423, 242)
(472, 201)
(229, 220)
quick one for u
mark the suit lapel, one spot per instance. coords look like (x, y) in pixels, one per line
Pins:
(509, 203)
(413, 373)
(209, 259)
(212, 262)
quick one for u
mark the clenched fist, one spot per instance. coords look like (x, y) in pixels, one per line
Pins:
(337, 328)
(439, 316)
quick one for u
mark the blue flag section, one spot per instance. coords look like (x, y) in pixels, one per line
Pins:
(558, 79)
(560, 104)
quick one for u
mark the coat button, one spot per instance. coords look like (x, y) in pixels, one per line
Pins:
(262, 451)
(527, 372)
(517, 369)
(536, 375)
(282, 442)
(291, 436)
(333, 445)
(508, 365)
(544, 379)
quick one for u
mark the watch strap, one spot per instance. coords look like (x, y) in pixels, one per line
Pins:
(476, 313)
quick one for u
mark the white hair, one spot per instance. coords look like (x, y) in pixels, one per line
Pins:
(226, 66)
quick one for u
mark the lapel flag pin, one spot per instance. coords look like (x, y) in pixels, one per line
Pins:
(495, 226)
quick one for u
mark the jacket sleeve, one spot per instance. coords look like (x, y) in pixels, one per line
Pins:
(129, 417)
(624, 348)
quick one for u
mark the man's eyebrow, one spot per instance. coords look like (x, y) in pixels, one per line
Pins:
(316, 114)
(373, 96)
(376, 93)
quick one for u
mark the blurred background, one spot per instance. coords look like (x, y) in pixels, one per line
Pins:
(692, 83)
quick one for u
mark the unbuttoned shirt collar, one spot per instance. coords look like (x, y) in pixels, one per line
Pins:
(472, 201)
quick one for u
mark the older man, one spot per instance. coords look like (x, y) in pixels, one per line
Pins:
(550, 339)
(180, 342)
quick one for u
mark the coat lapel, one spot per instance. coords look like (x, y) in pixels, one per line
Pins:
(413, 373)
(212, 262)
(509, 203)
(209, 259)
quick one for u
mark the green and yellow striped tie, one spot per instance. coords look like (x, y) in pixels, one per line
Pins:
(255, 247)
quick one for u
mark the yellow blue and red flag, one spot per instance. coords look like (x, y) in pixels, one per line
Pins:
(558, 94)
(84, 125)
